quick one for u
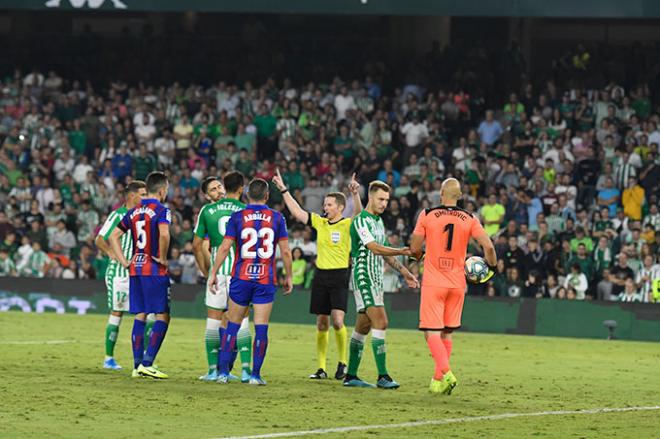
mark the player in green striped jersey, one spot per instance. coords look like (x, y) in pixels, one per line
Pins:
(368, 253)
(211, 223)
(116, 276)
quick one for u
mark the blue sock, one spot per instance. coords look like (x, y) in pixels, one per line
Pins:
(222, 337)
(234, 354)
(227, 347)
(259, 349)
(137, 341)
(155, 341)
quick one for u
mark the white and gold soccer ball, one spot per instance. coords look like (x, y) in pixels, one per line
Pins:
(476, 269)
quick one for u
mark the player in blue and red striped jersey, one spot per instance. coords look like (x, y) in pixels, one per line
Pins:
(149, 290)
(255, 230)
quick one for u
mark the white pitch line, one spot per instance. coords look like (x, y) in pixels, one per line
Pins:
(33, 342)
(444, 421)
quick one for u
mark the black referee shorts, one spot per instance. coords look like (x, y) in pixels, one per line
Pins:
(329, 291)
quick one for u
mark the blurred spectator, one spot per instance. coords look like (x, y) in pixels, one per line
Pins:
(629, 293)
(578, 281)
(7, 266)
(299, 267)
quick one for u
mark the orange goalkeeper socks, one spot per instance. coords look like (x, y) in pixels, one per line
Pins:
(439, 353)
(448, 345)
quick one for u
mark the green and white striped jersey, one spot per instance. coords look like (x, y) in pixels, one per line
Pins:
(115, 269)
(212, 222)
(367, 267)
(36, 264)
(646, 287)
(7, 267)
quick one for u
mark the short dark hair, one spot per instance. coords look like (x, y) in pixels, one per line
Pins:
(207, 181)
(258, 189)
(377, 184)
(156, 181)
(339, 198)
(233, 181)
(135, 186)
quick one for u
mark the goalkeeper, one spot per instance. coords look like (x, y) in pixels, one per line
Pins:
(446, 229)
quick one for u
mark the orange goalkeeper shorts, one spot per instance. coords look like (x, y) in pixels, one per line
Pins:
(441, 308)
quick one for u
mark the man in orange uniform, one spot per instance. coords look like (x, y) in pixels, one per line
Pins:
(446, 230)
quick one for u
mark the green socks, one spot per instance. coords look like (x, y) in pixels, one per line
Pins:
(151, 319)
(244, 344)
(355, 352)
(212, 342)
(111, 332)
(378, 346)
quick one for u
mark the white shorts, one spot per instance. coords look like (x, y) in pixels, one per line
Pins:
(118, 297)
(218, 300)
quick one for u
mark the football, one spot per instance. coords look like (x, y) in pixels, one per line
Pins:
(476, 269)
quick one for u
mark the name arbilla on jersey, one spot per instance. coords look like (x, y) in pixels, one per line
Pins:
(257, 216)
(143, 210)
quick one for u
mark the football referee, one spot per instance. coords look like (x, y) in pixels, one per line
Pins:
(330, 285)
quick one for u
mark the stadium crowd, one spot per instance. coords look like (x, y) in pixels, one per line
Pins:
(565, 180)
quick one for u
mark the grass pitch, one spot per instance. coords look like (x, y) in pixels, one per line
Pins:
(52, 385)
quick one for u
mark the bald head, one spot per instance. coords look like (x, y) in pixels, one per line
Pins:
(450, 192)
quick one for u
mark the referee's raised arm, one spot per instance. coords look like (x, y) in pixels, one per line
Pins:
(298, 212)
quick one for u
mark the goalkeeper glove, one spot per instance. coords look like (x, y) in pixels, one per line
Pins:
(491, 273)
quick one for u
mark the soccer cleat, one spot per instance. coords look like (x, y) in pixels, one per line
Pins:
(257, 381)
(245, 376)
(450, 382)
(223, 378)
(319, 375)
(445, 385)
(136, 374)
(356, 382)
(151, 372)
(110, 363)
(436, 386)
(232, 377)
(211, 376)
(341, 371)
(386, 382)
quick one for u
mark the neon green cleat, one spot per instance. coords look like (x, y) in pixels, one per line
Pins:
(136, 374)
(445, 385)
(436, 386)
(151, 372)
(450, 382)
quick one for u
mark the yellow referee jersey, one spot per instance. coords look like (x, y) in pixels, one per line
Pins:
(333, 242)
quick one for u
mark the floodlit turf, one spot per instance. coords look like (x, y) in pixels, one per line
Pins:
(60, 390)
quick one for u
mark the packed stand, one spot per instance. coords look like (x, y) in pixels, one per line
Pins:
(566, 182)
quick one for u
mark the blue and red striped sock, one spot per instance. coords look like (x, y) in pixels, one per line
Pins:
(227, 347)
(259, 349)
(137, 341)
(221, 330)
(234, 354)
(155, 341)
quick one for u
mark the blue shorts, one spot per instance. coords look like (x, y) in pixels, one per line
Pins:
(244, 292)
(149, 294)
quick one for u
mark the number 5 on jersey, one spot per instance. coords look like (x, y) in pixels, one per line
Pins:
(142, 234)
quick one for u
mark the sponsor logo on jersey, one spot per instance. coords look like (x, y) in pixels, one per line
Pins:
(255, 269)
